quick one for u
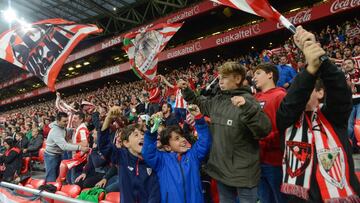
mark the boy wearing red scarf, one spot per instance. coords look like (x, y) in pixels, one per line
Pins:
(318, 164)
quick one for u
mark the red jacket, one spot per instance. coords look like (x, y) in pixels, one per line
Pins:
(270, 152)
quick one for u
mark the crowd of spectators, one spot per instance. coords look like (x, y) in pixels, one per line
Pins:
(26, 128)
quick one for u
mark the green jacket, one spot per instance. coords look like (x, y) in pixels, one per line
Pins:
(234, 155)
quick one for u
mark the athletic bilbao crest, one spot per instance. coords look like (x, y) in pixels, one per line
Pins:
(332, 166)
(147, 45)
(143, 48)
(298, 157)
(43, 48)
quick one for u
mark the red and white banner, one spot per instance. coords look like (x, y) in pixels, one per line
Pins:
(259, 7)
(179, 16)
(237, 34)
(43, 48)
(144, 46)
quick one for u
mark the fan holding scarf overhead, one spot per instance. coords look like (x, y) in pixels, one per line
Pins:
(318, 164)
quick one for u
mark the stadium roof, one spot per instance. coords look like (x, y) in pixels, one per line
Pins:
(114, 16)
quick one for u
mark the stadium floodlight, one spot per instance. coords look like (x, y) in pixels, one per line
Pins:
(25, 26)
(9, 15)
(71, 68)
(86, 63)
(78, 66)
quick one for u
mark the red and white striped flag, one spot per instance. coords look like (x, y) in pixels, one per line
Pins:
(43, 48)
(257, 7)
(260, 8)
(143, 48)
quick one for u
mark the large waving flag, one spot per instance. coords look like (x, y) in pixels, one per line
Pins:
(260, 8)
(43, 48)
(144, 46)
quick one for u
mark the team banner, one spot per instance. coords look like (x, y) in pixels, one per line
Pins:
(143, 48)
(43, 48)
(257, 7)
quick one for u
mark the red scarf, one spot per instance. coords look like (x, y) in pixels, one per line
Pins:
(332, 169)
(17, 150)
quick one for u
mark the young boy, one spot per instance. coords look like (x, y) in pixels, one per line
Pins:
(237, 124)
(265, 77)
(136, 181)
(318, 164)
(178, 168)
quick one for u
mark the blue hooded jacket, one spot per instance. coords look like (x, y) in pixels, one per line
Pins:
(179, 176)
(137, 182)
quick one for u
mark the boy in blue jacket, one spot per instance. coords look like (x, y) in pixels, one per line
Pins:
(137, 182)
(178, 168)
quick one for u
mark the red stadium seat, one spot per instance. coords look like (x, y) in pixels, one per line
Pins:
(40, 158)
(71, 190)
(358, 175)
(25, 165)
(36, 183)
(113, 197)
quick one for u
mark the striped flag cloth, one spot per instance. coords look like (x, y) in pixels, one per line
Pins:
(257, 7)
(43, 47)
(143, 48)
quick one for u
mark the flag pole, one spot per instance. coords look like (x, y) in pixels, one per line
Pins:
(292, 29)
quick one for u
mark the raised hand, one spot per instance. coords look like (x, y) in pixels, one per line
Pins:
(194, 109)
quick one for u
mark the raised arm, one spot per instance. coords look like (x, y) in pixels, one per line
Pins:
(252, 117)
(61, 105)
(151, 155)
(338, 102)
(167, 83)
(202, 146)
(189, 96)
(299, 93)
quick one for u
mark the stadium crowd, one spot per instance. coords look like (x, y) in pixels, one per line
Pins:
(114, 129)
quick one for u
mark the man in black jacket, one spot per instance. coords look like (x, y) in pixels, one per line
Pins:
(34, 145)
(318, 164)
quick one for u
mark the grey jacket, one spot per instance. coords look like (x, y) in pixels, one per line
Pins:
(56, 143)
(234, 154)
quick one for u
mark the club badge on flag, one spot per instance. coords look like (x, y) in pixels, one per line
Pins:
(144, 46)
(43, 48)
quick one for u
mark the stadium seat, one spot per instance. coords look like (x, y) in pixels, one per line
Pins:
(36, 183)
(71, 190)
(62, 173)
(113, 197)
(25, 165)
(358, 175)
(21, 192)
(40, 158)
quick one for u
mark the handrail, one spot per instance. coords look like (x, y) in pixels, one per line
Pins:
(42, 193)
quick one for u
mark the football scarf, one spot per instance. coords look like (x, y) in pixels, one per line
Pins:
(320, 142)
